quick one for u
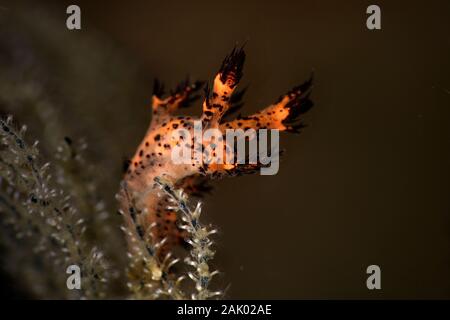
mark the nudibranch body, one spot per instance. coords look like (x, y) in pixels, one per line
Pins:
(153, 157)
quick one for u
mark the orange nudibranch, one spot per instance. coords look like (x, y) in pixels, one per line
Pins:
(153, 156)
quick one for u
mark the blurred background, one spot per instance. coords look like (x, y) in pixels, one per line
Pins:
(367, 182)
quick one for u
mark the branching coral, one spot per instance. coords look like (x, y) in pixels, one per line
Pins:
(150, 275)
(198, 238)
(38, 209)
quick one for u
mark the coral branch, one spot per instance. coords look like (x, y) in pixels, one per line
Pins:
(149, 277)
(49, 211)
(198, 238)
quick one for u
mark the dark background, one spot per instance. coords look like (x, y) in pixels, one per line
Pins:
(366, 183)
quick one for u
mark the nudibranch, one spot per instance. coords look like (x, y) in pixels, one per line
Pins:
(153, 156)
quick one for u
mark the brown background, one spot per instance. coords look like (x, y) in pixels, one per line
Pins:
(366, 183)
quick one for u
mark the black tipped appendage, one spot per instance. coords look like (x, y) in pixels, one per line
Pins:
(304, 87)
(299, 105)
(232, 65)
(190, 89)
(187, 85)
(158, 88)
(207, 91)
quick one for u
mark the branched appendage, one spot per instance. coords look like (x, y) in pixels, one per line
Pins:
(153, 159)
(184, 94)
(38, 209)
